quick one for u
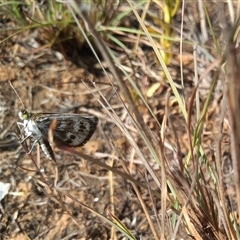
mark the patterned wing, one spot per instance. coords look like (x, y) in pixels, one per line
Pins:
(72, 130)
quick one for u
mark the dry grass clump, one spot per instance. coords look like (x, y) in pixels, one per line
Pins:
(165, 86)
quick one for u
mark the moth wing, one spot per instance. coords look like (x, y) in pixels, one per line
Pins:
(71, 130)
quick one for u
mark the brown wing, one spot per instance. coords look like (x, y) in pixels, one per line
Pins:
(72, 130)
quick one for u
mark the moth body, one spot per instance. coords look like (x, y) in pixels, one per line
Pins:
(72, 130)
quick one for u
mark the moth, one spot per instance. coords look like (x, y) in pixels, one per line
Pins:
(72, 130)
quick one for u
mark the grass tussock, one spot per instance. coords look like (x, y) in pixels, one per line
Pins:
(163, 76)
